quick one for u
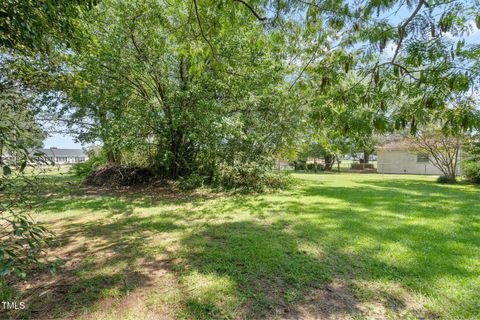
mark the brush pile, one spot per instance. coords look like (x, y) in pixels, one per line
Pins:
(115, 175)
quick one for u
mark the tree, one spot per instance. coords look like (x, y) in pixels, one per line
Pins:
(29, 30)
(150, 84)
(443, 151)
(416, 69)
(21, 239)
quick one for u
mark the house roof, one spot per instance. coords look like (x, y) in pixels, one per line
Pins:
(63, 152)
(402, 144)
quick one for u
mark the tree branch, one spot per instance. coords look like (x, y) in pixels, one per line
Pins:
(201, 29)
(404, 26)
(306, 65)
(252, 10)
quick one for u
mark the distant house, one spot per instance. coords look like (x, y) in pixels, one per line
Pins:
(397, 157)
(284, 165)
(312, 160)
(64, 156)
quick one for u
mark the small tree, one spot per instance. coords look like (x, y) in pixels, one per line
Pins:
(443, 151)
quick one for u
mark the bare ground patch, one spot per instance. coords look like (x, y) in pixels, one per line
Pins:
(336, 301)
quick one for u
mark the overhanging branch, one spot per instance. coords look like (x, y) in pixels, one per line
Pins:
(252, 10)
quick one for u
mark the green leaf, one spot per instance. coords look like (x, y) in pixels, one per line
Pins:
(6, 170)
(23, 165)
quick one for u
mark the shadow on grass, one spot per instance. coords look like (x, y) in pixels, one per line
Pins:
(64, 193)
(419, 235)
(104, 259)
(309, 245)
(264, 269)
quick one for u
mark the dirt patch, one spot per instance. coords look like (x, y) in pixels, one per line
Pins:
(336, 301)
(333, 301)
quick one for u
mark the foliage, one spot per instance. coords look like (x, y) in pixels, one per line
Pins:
(19, 131)
(416, 69)
(191, 182)
(251, 176)
(96, 158)
(471, 159)
(150, 78)
(152, 87)
(21, 239)
(445, 179)
(28, 30)
(39, 25)
(315, 167)
(471, 171)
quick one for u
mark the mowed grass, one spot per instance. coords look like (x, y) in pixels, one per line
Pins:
(333, 246)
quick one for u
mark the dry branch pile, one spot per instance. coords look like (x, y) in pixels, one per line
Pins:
(114, 175)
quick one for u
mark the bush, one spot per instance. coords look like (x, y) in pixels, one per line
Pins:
(361, 166)
(446, 179)
(315, 167)
(251, 177)
(191, 182)
(85, 169)
(300, 165)
(471, 170)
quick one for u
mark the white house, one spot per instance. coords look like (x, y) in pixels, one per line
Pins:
(64, 156)
(397, 157)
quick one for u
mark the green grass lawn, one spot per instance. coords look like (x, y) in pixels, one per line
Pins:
(348, 246)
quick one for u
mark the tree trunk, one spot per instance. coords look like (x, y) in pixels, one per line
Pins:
(366, 156)
(111, 157)
(1, 152)
(329, 161)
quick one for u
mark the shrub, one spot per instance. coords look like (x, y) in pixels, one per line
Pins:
(472, 171)
(315, 167)
(446, 179)
(251, 177)
(85, 169)
(361, 166)
(300, 165)
(191, 182)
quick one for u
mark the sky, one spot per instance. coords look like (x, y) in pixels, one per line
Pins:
(67, 141)
(62, 141)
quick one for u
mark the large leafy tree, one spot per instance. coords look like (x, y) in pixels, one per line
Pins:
(411, 59)
(29, 30)
(162, 81)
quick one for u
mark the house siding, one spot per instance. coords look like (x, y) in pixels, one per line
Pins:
(402, 161)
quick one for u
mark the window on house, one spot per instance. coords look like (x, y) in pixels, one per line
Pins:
(422, 157)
